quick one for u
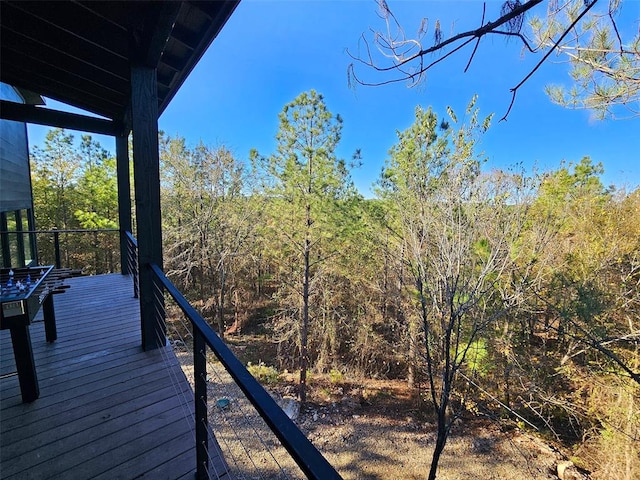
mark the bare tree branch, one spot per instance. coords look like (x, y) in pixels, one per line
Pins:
(475, 48)
(489, 28)
(514, 90)
(586, 338)
(607, 80)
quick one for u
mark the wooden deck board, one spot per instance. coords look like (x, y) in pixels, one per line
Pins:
(107, 410)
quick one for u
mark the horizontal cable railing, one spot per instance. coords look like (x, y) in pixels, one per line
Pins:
(258, 439)
(132, 260)
(91, 251)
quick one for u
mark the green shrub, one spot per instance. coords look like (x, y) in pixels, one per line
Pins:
(335, 376)
(264, 373)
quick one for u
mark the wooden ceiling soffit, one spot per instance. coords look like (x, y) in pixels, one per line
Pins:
(48, 86)
(52, 57)
(148, 39)
(71, 19)
(82, 80)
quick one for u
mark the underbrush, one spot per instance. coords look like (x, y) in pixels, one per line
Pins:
(265, 374)
(592, 420)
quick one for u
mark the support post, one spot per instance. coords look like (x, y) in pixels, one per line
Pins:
(31, 222)
(56, 248)
(200, 395)
(146, 170)
(20, 238)
(124, 198)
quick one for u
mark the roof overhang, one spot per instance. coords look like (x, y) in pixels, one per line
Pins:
(81, 52)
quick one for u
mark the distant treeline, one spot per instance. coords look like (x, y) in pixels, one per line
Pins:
(492, 292)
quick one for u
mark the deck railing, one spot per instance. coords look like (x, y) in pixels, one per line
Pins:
(302, 451)
(132, 261)
(92, 251)
(204, 340)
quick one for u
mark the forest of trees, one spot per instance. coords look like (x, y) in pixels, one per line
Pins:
(497, 292)
(74, 188)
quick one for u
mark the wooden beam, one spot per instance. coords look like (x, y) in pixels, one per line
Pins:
(186, 38)
(56, 118)
(149, 38)
(26, 78)
(124, 197)
(146, 169)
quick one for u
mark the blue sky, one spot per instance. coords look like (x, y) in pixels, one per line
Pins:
(271, 51)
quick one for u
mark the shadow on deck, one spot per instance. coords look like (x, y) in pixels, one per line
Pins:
(107, 410)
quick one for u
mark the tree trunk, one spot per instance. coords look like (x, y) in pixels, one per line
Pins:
(259, 279)
(441, 440)
(507, 365)
(221, 327)
(413, 352)
(304, 327)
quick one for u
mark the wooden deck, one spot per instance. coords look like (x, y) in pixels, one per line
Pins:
(107, 410)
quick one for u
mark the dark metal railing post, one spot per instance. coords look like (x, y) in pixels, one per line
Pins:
(200, 381)
(56, 247)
